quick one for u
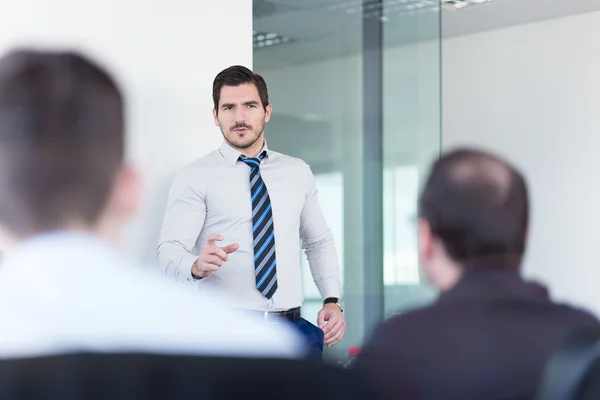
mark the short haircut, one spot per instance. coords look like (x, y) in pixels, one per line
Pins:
(62, 126)
(235, 76)
(477, 204)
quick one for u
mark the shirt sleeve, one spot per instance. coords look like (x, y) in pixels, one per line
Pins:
(182, 224)
(318, 244)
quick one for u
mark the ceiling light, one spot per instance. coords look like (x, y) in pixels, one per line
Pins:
(457, 4)
(268, 39)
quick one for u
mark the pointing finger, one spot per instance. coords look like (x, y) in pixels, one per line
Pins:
(231, 248)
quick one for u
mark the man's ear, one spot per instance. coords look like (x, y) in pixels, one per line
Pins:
(425, 239)
(126, 193)
(268, 111)
(216, 117)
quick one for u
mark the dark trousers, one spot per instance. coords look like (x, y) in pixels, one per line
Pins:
(313, 337)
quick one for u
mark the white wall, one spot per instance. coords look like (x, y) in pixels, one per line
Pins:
(532, 93)
(166, 55)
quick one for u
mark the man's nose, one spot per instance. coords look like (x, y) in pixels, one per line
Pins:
(240, 115)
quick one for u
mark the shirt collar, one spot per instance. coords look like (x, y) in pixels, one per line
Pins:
(494, 283)
(53, 246)
(232, 155)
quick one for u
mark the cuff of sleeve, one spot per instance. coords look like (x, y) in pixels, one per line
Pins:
(329, 288)
(185, 268)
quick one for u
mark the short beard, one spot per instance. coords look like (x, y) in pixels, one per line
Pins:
(245, 146)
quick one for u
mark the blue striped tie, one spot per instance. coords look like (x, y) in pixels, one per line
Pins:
(265, 269)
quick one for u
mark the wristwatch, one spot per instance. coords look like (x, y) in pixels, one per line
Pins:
(334, 300)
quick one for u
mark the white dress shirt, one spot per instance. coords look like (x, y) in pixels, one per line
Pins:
(212, 196)
(68, 292)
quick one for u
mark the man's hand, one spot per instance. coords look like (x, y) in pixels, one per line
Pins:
(335, 327)
(212, 257)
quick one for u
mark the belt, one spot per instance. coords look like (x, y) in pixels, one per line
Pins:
(292, 314)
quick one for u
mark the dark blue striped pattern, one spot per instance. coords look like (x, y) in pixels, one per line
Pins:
(265, 264)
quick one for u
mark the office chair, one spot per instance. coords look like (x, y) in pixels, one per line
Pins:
(573, 372)
(143, 376)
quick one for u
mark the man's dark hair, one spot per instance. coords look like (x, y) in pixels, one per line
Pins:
(61, 140)
(477, 204)
(235, 76)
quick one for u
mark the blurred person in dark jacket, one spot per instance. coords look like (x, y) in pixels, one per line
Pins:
(490, 333)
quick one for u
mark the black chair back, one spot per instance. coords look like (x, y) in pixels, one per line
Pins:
(573, 372)
(139, 376)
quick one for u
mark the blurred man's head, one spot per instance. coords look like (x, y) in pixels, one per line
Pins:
(62, 127)
(473, 214)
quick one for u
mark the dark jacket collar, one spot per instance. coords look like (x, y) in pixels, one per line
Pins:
(494, 284)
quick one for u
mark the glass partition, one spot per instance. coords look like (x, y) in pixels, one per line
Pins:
(355, 89)
(411, 139)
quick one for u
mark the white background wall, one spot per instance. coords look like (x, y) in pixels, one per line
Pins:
(532, 93)
(165, 55)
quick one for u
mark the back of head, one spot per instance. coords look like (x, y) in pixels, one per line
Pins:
(61, 140)
(477, 205)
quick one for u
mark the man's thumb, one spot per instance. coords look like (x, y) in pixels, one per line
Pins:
(321, 319)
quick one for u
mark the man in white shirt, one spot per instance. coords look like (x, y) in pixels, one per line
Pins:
(258, 205)
(65, 193)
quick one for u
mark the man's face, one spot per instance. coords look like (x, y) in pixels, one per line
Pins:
(241, 115)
